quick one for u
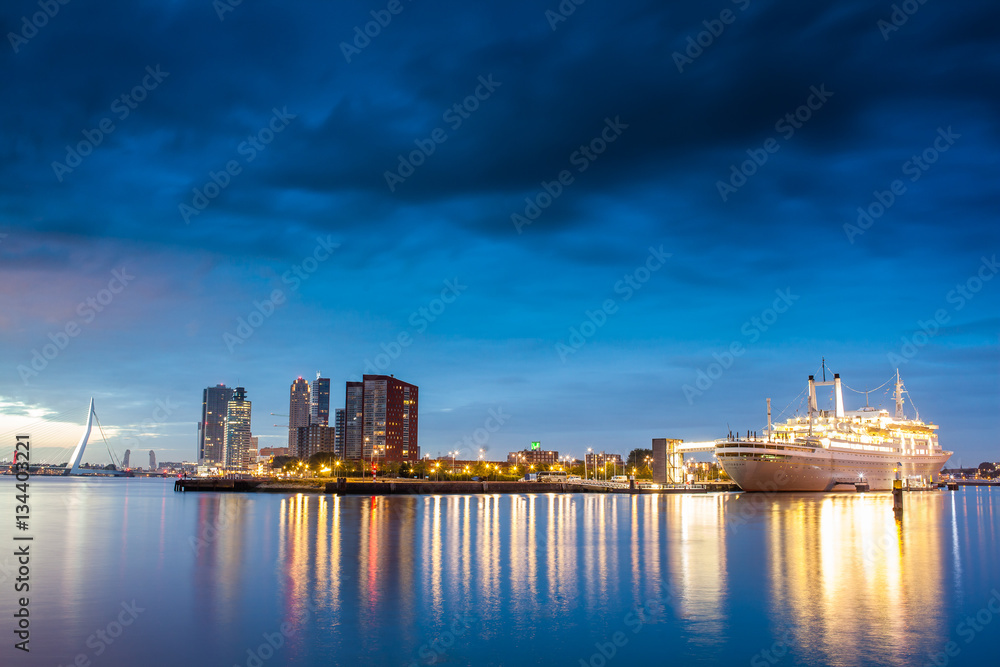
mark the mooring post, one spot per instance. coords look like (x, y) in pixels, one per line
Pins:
(897, 492)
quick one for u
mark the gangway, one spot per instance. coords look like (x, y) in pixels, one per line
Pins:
(668, 458)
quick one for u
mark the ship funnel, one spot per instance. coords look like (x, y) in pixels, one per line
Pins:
(812, 401)
(840, 395)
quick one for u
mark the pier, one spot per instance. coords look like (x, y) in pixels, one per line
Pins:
(214, 484)
(343, 487)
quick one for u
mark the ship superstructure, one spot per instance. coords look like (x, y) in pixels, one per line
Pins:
(835, 447)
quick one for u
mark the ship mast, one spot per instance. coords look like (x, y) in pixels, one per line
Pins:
(769, 420)
(899, 397)
(812, 401)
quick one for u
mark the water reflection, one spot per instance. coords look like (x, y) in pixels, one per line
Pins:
(530, 579)
(849, 583)
(217, 546)
(837, 575)
(698, 570)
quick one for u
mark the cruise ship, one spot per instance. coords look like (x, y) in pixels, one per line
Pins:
(827, 448)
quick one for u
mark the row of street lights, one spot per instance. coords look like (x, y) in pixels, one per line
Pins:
(494, 469)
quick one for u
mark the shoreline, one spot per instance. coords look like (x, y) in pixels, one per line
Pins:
(386, 488)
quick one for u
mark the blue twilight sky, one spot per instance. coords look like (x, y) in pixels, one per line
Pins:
(473, 180)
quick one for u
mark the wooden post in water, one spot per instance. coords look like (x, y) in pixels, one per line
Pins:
(897, 493)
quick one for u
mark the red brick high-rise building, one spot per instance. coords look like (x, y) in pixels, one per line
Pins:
(389, 419)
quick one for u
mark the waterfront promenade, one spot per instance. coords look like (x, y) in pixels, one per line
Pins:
(344, 487)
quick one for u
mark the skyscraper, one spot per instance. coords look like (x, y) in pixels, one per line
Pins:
(128, 453)
(319, 401)
(389, 421)
(298, 410)
(313, 439)
(338, 432)
(152, 460)
(354, 406)
(252, 453)
(237, 440)
(212, 427)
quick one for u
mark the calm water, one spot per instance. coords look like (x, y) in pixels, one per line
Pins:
(513, 580)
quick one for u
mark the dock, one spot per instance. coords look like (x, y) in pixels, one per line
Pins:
(215, 484)
(342, 487)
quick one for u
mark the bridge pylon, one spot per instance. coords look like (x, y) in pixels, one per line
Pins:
(74, 461)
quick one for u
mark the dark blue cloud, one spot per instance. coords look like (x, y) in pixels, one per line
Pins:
(322, 178)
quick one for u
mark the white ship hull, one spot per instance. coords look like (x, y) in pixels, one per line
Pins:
(788, 466)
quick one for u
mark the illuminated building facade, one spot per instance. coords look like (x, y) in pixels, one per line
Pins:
(533, 457)
(319, 401)
(236, 448)
(298, 410)
(338, 435)
(600, 458)
(212, 427)
(389, 419)
(314, 439)
(353, 412)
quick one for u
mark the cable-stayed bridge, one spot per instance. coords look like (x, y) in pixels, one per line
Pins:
(52, 457)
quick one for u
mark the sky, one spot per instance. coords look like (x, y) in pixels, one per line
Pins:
(605, 222)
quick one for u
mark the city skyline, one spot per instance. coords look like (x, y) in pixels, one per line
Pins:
(539, 332)
(611, 226)
(440, 448)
